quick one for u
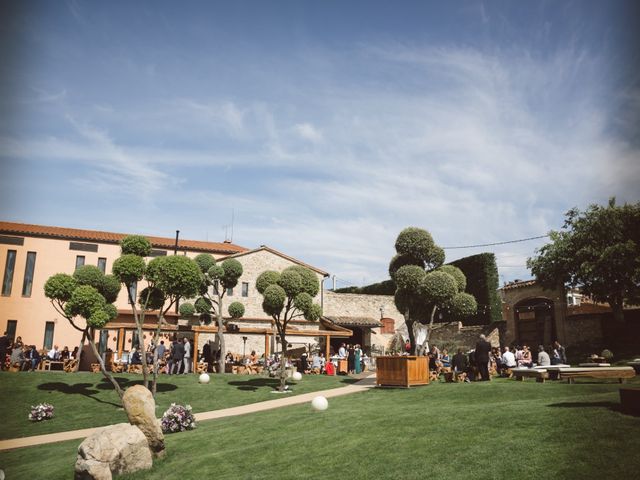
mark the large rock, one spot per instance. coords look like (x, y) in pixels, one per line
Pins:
(115, 449)
(141, 410)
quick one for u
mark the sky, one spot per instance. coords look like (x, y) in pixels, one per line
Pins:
(321, 129)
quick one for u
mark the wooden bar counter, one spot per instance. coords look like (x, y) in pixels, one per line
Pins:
(402, 371)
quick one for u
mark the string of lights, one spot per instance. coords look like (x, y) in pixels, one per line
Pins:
(496, 243)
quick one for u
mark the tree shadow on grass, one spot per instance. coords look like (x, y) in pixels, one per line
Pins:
(254, 384)
(75, 389)
(613, 406)
(125, 383)
(350, 381)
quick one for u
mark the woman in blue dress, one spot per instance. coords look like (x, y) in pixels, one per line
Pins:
(358, 355)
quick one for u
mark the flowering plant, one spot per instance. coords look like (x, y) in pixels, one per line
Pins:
(43, 411)
(178, 418)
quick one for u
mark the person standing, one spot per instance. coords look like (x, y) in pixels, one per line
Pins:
(559, 354)
(351, 359)
(483, 347)
(358, 356)
(187, 355)
(177, 355)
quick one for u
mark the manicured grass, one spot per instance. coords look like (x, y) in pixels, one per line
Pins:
(502, 429)
(83, 400)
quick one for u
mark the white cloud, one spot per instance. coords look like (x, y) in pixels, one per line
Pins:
(308, 132)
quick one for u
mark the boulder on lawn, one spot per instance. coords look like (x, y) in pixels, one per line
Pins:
(140, 406)
(112, 450)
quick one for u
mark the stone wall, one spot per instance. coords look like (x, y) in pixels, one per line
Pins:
(253, 264)
(454, 335)
(374, 306)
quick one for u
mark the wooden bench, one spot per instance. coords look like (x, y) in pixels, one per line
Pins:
(635, 364)
(540, 374)
(46, 364)
(620, 373)
(591, 364)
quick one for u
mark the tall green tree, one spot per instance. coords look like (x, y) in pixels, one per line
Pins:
(424, 285)
(86, 299)
(168, 279)
(597, 250)
(288, 295)
(216, 279)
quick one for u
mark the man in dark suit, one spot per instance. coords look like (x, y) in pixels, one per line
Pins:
(177, 355)
(483, 348)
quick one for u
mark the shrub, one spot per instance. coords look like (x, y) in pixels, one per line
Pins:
(236, 310)
(135, 245)
(178, 418)
(187, 310)
(60, 287)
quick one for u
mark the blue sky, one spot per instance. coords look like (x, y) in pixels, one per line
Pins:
(325, 127)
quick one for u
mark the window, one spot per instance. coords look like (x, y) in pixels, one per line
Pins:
(12, 326)
(28, 274)
(245, 289)
(79, 261)
(9, 267)
(48, 335)
(230, 292)
(102, 264)
(83, 247)
(133, 292)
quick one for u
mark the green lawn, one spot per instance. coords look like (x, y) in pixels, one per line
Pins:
(502, 429)
(83, 400)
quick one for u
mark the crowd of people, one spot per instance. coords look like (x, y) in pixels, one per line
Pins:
(25, 357)
(483, 361)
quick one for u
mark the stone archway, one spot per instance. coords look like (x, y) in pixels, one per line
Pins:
(535, 322)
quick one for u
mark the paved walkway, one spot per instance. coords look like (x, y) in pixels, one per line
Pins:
(283, 401)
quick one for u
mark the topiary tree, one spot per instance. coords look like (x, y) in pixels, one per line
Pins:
(216, 278)
(168, 279)
(85, 300)
(286, 296)
(424, 285)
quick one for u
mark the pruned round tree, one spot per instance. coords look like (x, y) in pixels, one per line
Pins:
(216, 278)
(424, 285)
(288, 295)
(167, 278)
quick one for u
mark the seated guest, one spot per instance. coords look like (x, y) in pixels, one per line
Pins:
(445, 359)
(527, 359)
(32, 358)
(64, 354)
(434, 362)
(508, 359)
(303, 365)
(74, 354)
(135, 358)
(253, 358)
(459, 361)
(54, 353)
(228, 358)
(316, 363)
(17, 356)
(543, 357)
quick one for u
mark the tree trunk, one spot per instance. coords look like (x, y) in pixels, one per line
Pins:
(80, 347)
(156, 338)
(618, 312)
(220, 322)
(283, 362)
(106, 374)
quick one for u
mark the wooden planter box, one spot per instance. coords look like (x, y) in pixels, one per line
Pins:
(403, 371)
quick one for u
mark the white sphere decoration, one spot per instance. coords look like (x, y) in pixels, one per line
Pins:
(204, 378)
(297, 376)
(319, 403)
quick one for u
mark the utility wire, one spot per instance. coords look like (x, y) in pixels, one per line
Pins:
(497, 243)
